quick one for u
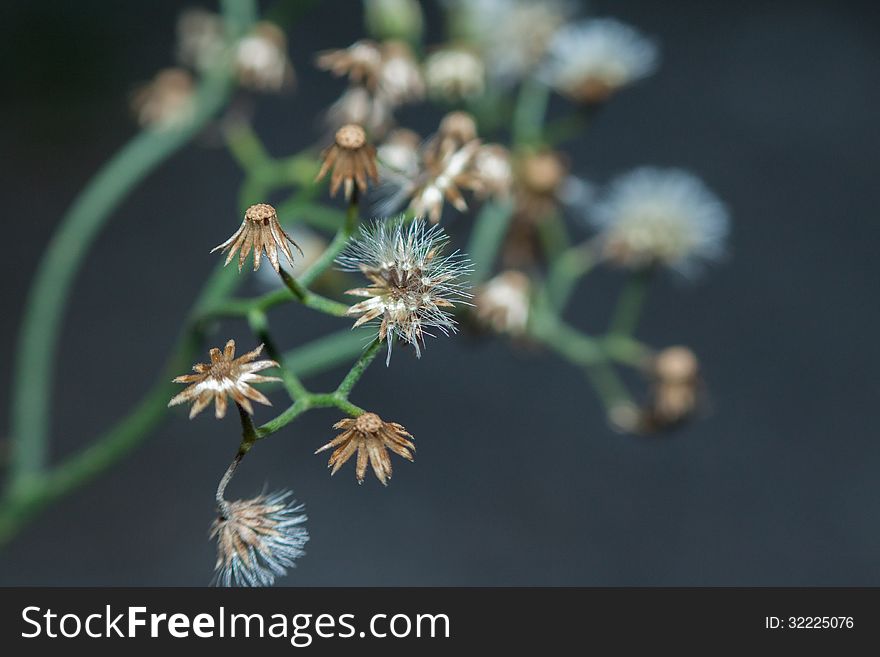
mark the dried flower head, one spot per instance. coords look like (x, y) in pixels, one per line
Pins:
(400, 78)
(225, 376)
(166, 101)
(361, 62)
(412, 284)
(511, 35)
(591, 60)
(667, 217)
(492, 172)
(445, 174)
(361, 107)
(502, 304)
(675, 388)
(351, 159)
(454, 74)
(371, 437)
(261, 61)
(258, 539)
(261, 231)
(200, 39)
(400, 152)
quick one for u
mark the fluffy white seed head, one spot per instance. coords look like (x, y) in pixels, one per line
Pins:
(590, 60)
(661, 217)
(413, 284)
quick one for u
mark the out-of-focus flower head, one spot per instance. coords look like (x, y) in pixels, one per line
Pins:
(394, 19)
(400, 78)
(511, 35)
(675, 374)
(350, 160)
(400, 152)
(258, 539)
(260, 230)
(492, 172)
(261, 60)
(591, 60)
(454, 73)
(502, 303)
(166, 101)
(412, 283)
(361, 62)
(359, 106)
(660, 217)
(371, 437)
(225, 376)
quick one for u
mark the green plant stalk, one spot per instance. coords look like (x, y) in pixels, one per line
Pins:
(565, 272)
(625, 317)
(529, 113)
(259, 324)
(489, 230)
(41, 325)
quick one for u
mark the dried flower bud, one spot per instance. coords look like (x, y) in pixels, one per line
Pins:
(351, 159)
(261, 231)
(675, 389)
(361, 62)
(502, 303)
(166, 101)
(400, 79)
(675, 365)
(261, 60)
(412, 285)
(453, 74)
(258, 539)
(492, 172)
(371, 437)
(225, 376)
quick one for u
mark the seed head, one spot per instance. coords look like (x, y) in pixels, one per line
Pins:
(350, 159)
(371, 437)
(412, 284)
(225, 376)
(258, 539)
(261, 231)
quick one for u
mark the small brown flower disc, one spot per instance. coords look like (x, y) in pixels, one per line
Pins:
(261, 213)
(351, 137)
(368, 423)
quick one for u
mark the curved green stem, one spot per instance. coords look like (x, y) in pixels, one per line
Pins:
(629, 305)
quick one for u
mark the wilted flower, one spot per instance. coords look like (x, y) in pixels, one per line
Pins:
(443, 177)
(591, 60)
(411, 283)
(653, 217)
(502, 303)
(394, 19)
(200, 38)
(258, 539)
(511, 35)
(540, 177)
(361, 107)
(166, 101)
(261, 231)
(400, 152)
(400, 79)
(675, 388)
(350, 159)
(225, 375)
(456, 129)
(361, 62)
(261, 61)
(454, 73)
(371, 438)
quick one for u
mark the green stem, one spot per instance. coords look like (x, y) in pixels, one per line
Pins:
(489, 230)
(47, 300)
(259, 324)
(528, 116)
(565, 271)
(357, 370)
(629, 305)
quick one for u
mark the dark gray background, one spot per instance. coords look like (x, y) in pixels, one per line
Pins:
(517, 478)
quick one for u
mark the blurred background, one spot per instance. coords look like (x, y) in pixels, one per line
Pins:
(518, 480)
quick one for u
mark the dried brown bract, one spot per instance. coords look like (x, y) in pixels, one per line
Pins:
(371, 437)
(350, 161)
(262, 232)
(225, 376)
(675, 388)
